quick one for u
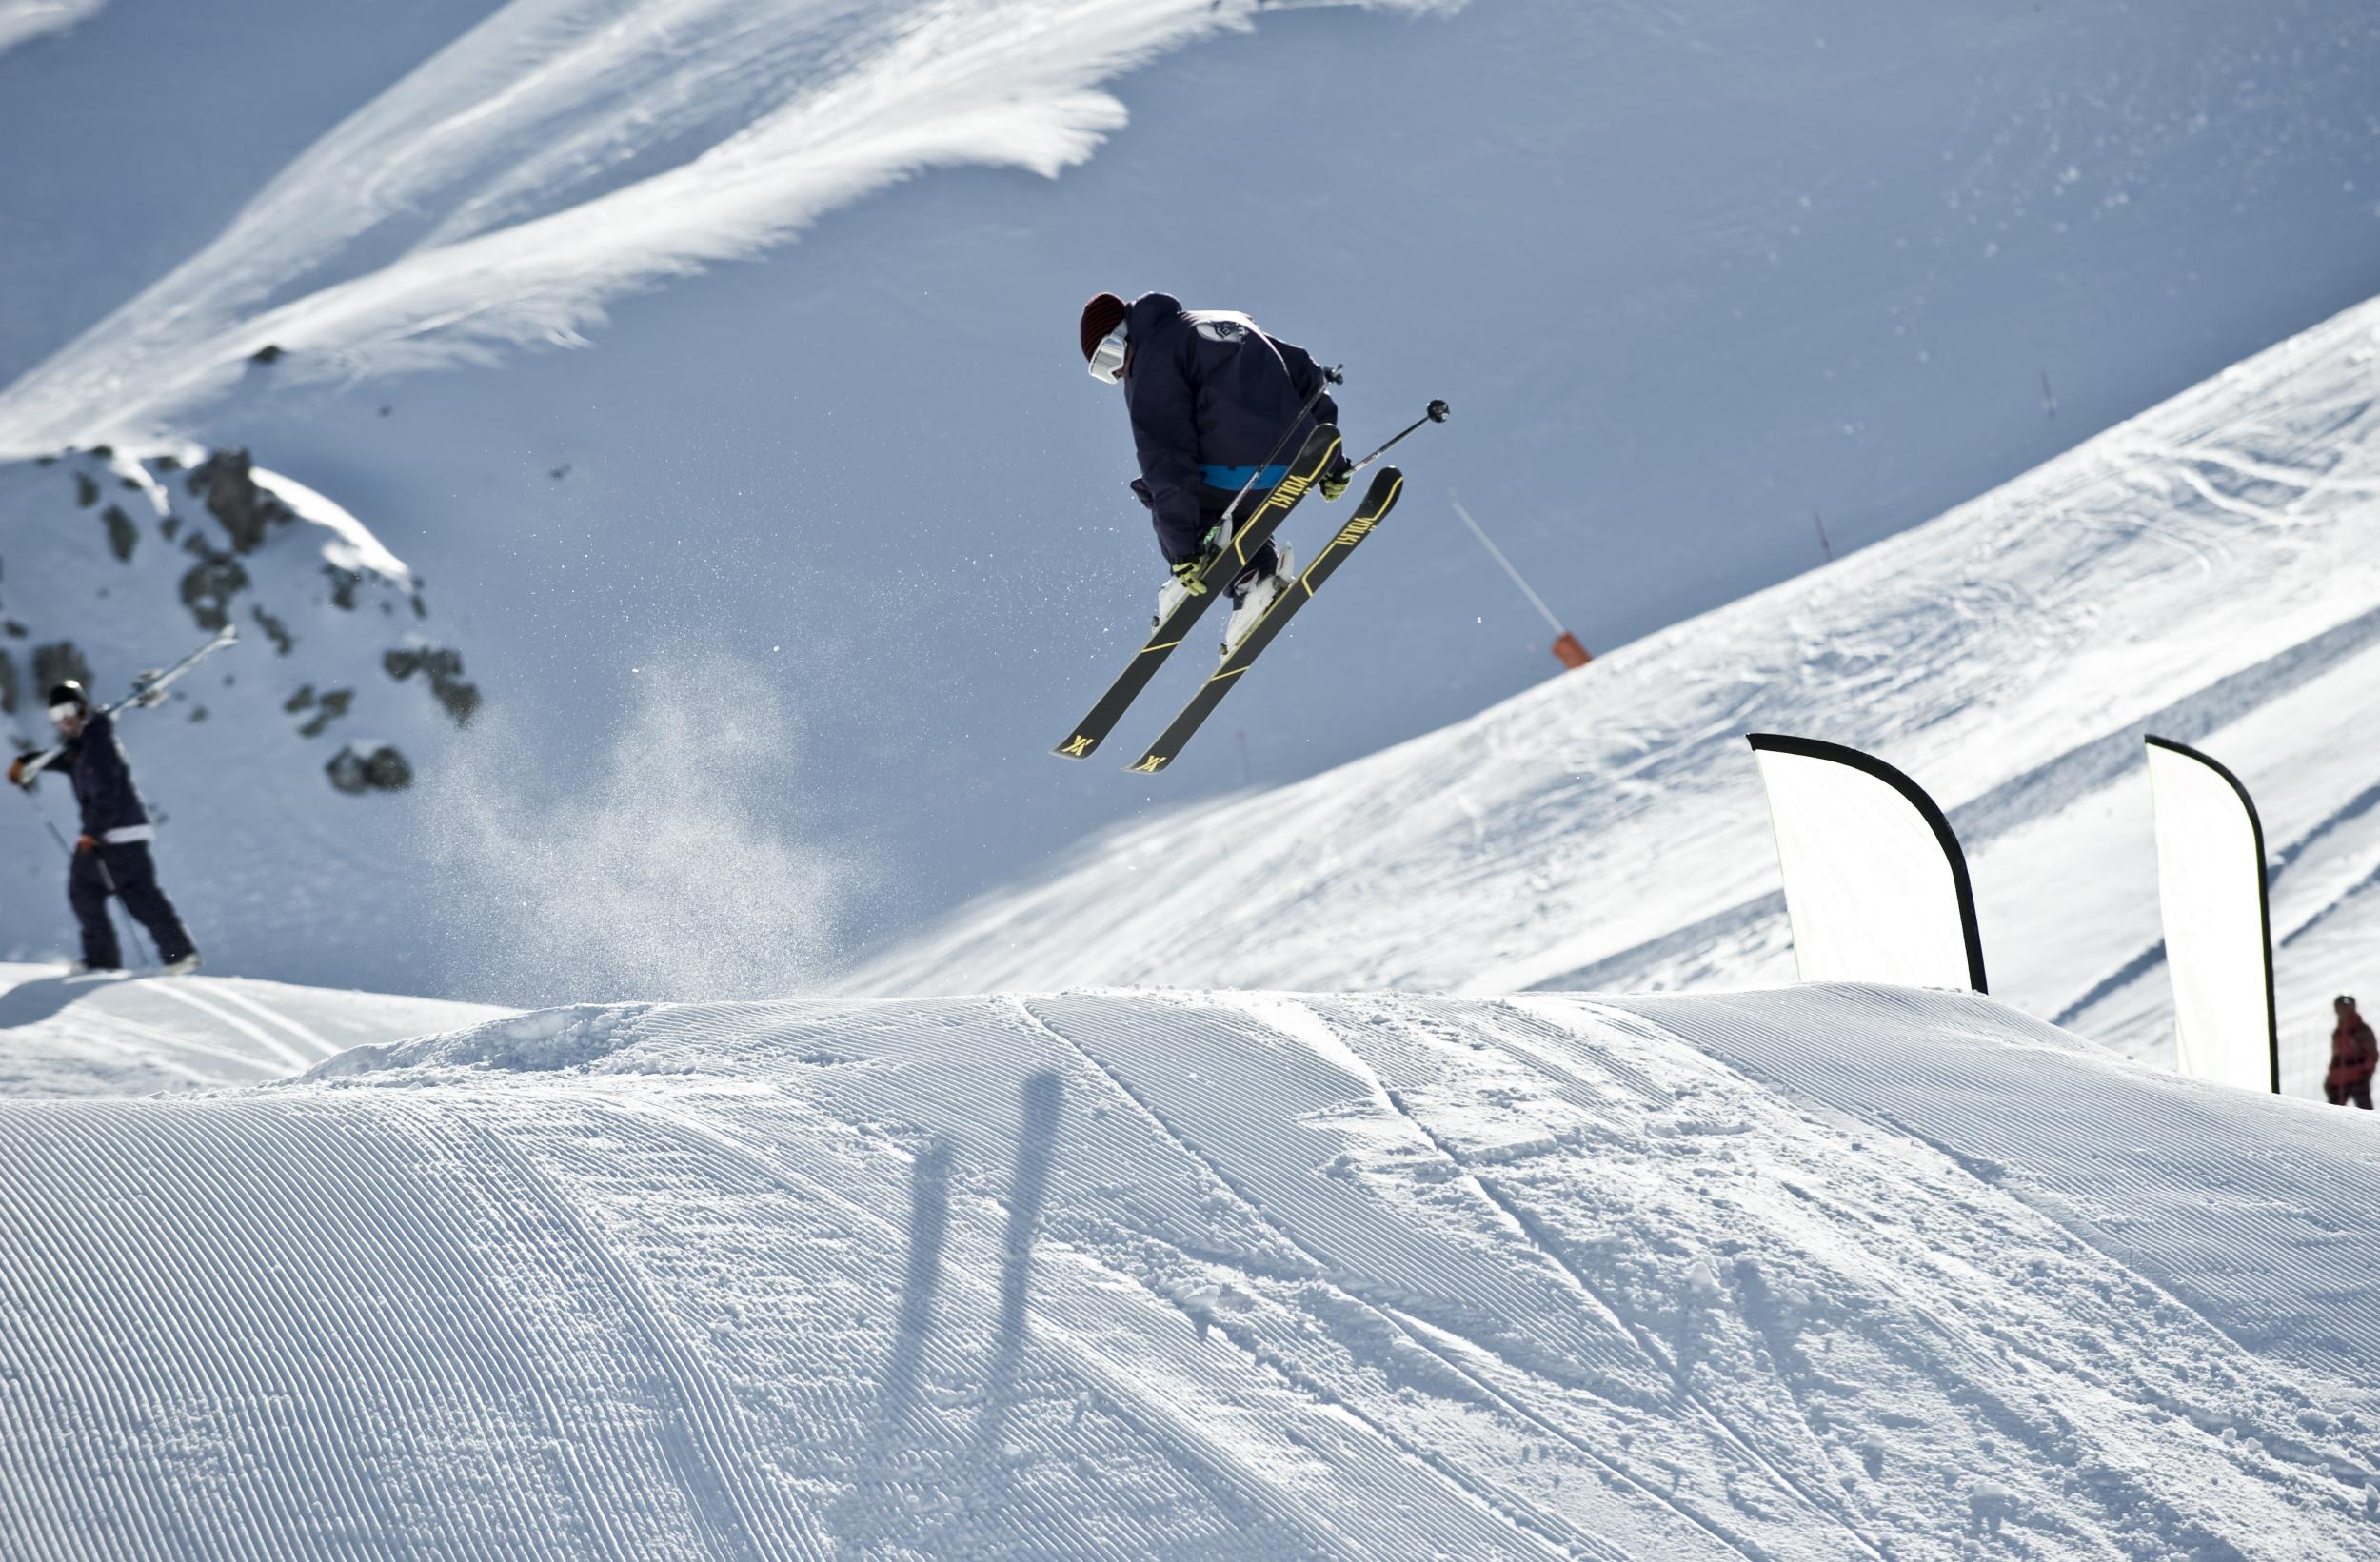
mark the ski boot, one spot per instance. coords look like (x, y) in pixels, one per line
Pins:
(1173, 593)
(1251, 594)
(1169, 596)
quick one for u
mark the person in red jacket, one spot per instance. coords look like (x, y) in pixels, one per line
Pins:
(2352, 1054)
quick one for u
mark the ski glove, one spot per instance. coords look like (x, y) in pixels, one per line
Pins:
(1188, 573)
(86, 842)
(16, 771)
(1334, 481)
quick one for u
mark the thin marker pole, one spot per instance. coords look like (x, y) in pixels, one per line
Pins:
(1498, 554)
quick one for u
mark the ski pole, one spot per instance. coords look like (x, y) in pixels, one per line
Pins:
(51, 828)
(1334, 375)
(1436, 413)
(115, 898)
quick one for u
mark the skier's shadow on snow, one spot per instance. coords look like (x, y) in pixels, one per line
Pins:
(929, 1224)
(902, 1455)
(30, 1002)
(1028, 1191)
(896, 1445)
(1040, 1107)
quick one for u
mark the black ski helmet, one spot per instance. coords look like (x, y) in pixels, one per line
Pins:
(70, 693)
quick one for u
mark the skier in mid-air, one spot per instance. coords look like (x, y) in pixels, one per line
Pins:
(112, 857)
(1210, 397)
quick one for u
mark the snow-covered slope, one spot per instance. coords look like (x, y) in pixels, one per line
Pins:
(2206, 570)
(1809, 1275)
(117, 1037)
(1769, 257)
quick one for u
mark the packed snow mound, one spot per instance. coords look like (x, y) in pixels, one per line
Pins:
(1825, 1273)
(2195, 572)
(129, 1036)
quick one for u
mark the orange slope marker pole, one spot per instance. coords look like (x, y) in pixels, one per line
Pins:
(1566, 648)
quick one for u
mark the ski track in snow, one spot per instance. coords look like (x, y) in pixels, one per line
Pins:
(1824, 1273)
(564, 151)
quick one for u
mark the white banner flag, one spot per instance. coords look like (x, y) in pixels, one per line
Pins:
(1876, 884)
(2218, 930)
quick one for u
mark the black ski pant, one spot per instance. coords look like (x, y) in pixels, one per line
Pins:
(2357, 1091)
(1214, 504)
(128, 873)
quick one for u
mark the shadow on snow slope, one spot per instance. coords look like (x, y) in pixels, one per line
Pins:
(1833, 1271)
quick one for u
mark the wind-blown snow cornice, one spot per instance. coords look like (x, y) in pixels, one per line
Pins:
(504, 189)
(23, 20)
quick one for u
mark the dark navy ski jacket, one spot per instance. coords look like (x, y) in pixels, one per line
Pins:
(103, 784)
(1210, 396)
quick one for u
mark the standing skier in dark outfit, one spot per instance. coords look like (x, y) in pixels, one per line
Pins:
(2354, 1054)
(1210, 396)
(111, 857)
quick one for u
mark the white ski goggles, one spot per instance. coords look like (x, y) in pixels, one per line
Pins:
(59, 713)
(1107, 359)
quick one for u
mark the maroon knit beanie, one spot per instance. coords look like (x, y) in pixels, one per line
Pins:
(1101, 315)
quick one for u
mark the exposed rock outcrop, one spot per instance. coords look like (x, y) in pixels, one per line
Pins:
(226, 481)
(382, 770)
(241, 554)
(444, 669)
(210, 583)
(276, 631)
(57, 662)
(121, 535)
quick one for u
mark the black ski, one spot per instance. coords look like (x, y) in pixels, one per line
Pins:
(1320, 449)
(1377, 500)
